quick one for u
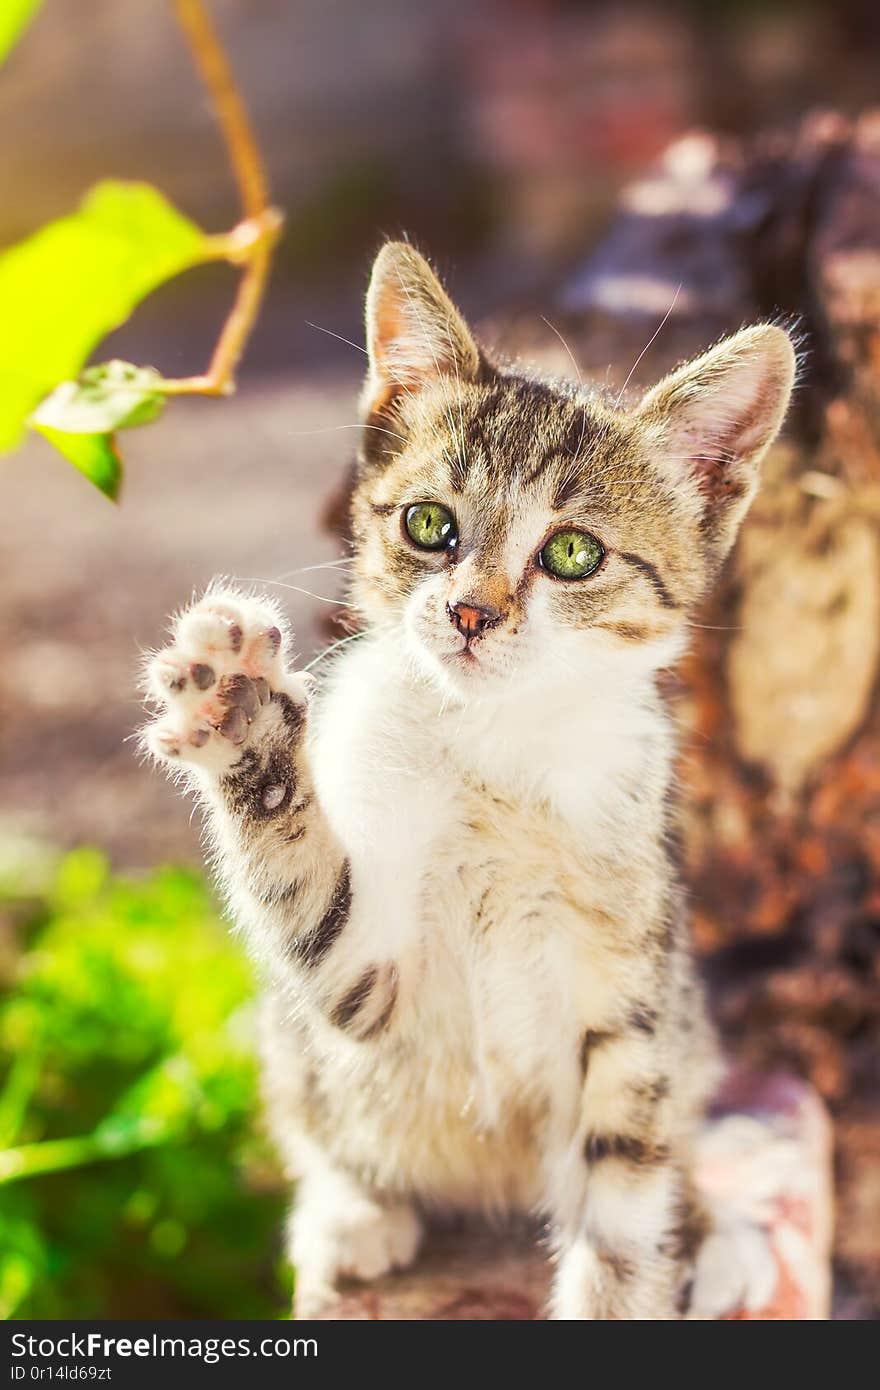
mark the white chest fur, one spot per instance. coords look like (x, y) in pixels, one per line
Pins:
(496, 847)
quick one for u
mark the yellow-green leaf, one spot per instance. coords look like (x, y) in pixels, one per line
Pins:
(63, 289)
(93, 454)
(15, 15)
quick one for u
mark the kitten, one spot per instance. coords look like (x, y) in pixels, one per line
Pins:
(453, 861)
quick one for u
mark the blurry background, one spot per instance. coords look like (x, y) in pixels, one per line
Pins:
(496, 134)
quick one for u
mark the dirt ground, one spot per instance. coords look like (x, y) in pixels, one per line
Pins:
(230, 488)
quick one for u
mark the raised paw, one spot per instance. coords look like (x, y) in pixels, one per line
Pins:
(224, 667)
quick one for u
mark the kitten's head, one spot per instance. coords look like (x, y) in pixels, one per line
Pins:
(513, 529)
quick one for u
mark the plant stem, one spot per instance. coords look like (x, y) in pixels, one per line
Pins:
(253, 241)
(219, 378)
(20, 1084)
(57, 1155)
(216, 73)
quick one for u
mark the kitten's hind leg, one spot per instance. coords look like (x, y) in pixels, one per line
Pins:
(339, 1226)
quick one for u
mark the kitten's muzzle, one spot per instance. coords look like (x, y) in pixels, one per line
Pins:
(472, 619)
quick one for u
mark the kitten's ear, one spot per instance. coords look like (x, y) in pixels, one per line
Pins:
(715, 418)
(415, 334)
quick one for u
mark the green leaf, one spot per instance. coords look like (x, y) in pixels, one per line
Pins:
(94, 455)
(15, 15)
(67, 286)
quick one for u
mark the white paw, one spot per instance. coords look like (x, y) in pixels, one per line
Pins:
(736, 1269)
(578, 1277)
(224, 664)
(337, 1236)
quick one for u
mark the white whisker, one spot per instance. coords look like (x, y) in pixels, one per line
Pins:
(294, 589)
(330, 334)
(307, 569)
(334, 646)
(331, 429)
(654, 335)
(573, 360)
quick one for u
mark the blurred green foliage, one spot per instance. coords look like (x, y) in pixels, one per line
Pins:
(133, 1180)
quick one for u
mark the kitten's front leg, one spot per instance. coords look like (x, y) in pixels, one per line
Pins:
(619, 1191)
(232, 726)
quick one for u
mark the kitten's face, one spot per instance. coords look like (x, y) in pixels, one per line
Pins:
(522, 534)
(547, 520)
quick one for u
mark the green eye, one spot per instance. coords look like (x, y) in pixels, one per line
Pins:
(430, 526)
(571, 554)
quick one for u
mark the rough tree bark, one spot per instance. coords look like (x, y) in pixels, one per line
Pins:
(778, 700)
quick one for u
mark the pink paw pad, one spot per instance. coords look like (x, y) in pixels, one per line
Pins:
(220, 671)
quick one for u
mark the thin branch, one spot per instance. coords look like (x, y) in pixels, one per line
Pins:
(219, 380)
(252, 242)
(213, 65)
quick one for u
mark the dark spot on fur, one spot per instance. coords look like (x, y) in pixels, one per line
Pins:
(481, 905)
(684, 1296)
(277, 894)
(652, 1091)
(652, 574)
(838, 605)
(293, 714)
(541, 466)
(592, 1039)
(567, 487)
(312, 947)
(643, 1019)
(687, 1231)
(625, 1147)
(247, 765)
(355, 999)
(380, 1023)
(629, 632)
(248, 781)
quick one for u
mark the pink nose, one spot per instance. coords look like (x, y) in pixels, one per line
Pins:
(471, 619)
